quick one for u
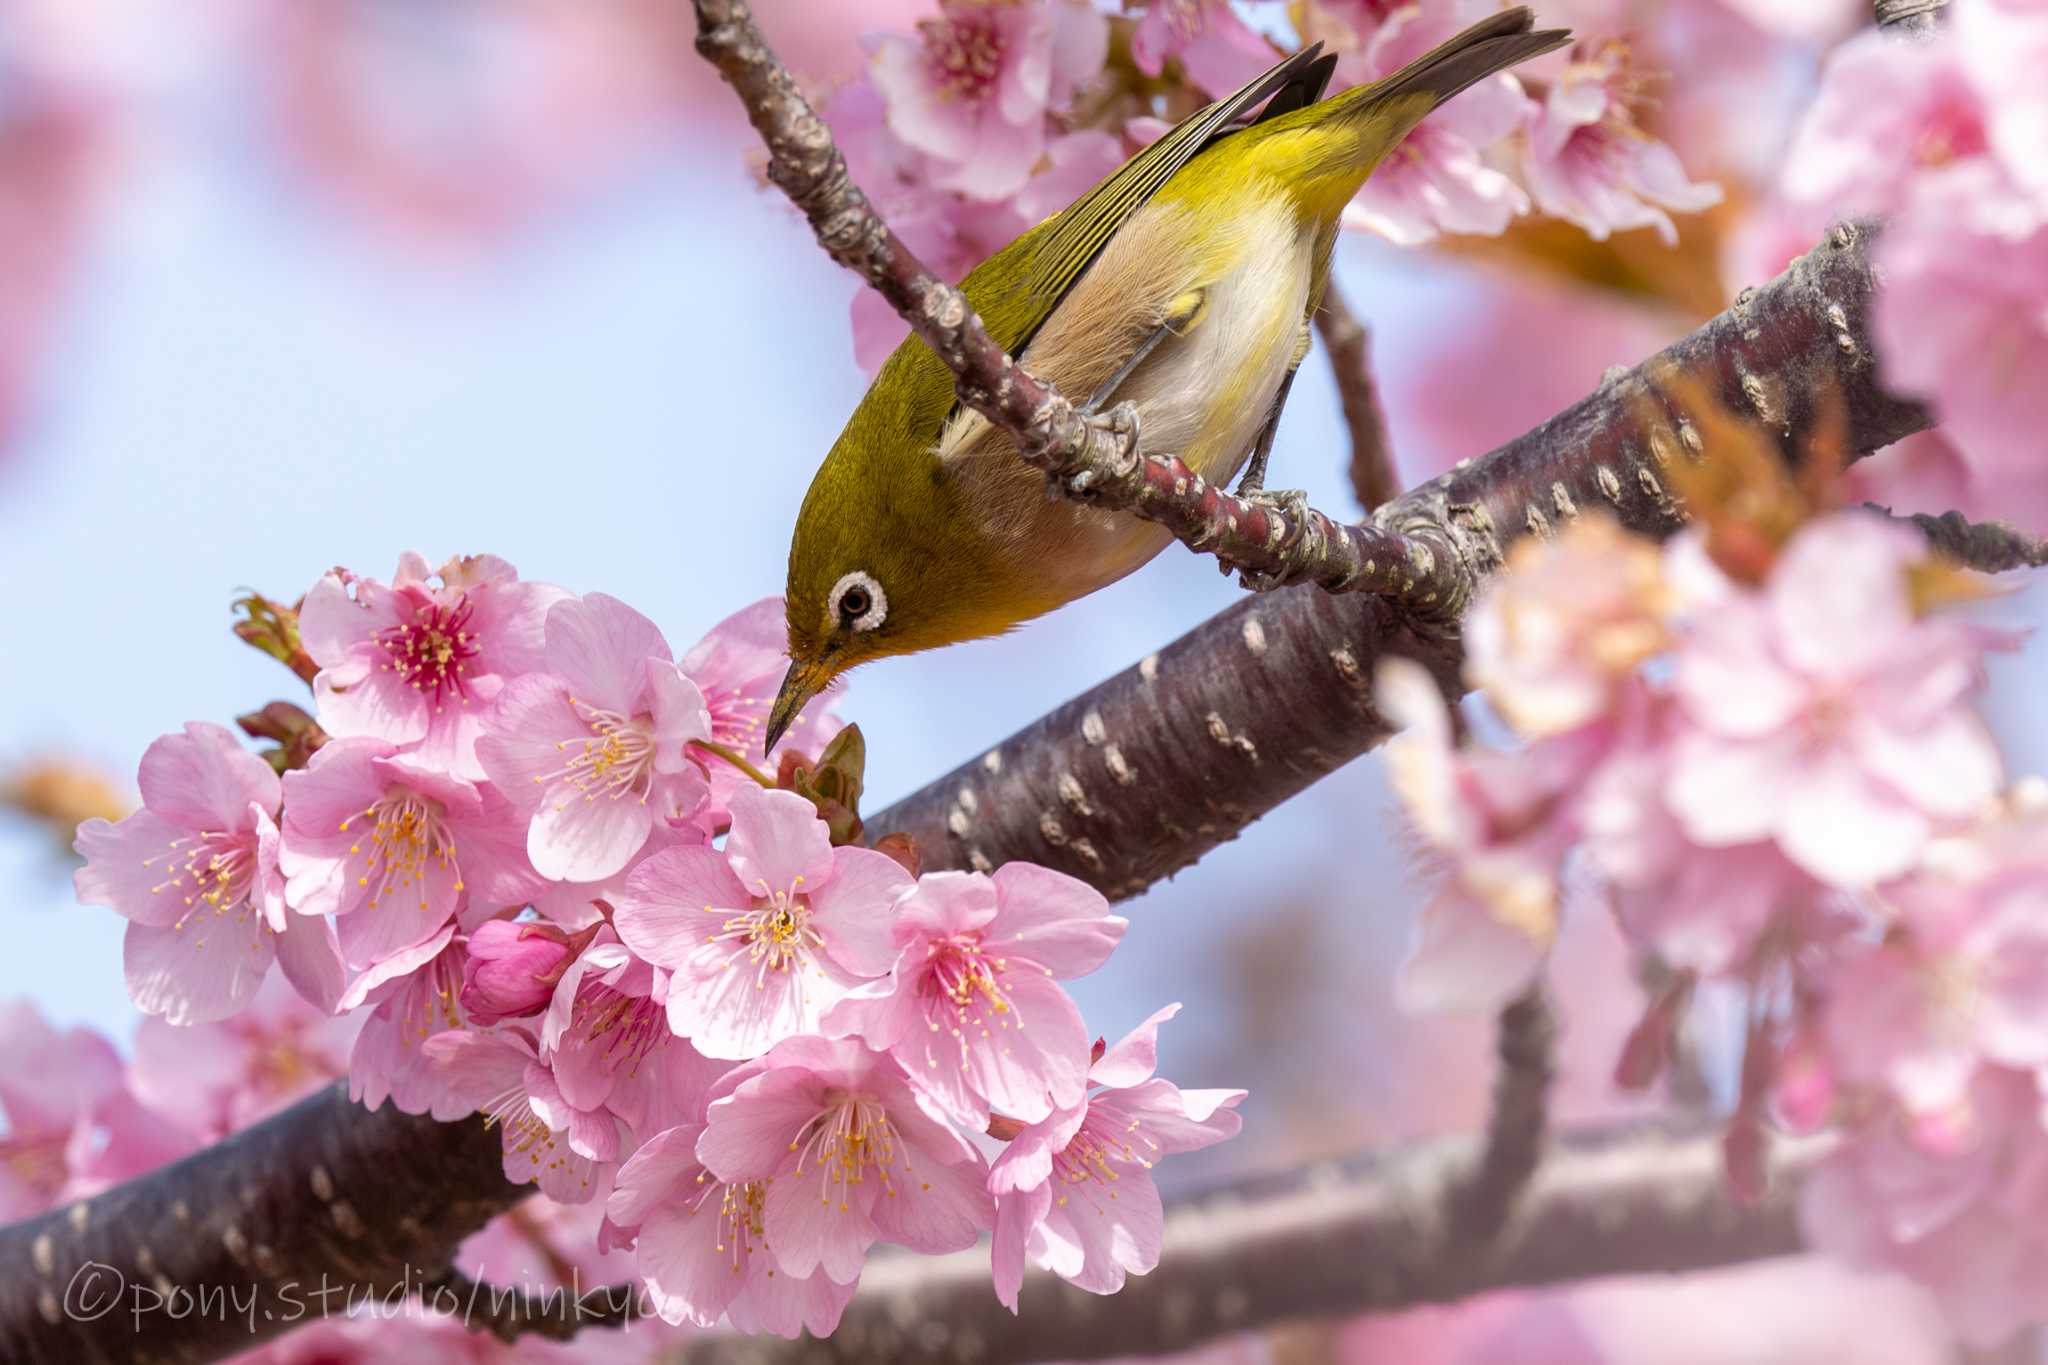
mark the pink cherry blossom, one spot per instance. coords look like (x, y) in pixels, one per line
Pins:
(1965, 1220)
(1552, 639)
(568, 1153)
(1216, 49)
(1074, 1193)
(1437, 180)
(1588, 163)
(702, 1245)
(2003, 44)
(851, 1156)
(393, 847)
(1824, 714)
(594, 750)
(606, 1038)
(1961, 981)
(418, 662)
(972, 1009)
(513, 968)
(1502, 823)
(72, 1124)
(738, 666)
(195, 872)
(767, 934)
(218, 1078)
(413, 995)
(971, 92)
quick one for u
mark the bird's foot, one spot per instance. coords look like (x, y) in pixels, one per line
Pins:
(1290, 503)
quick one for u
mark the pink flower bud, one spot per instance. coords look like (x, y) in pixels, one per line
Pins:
(512, 969)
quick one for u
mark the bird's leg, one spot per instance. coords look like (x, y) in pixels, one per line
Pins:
(1254, 481)
(1180, 318)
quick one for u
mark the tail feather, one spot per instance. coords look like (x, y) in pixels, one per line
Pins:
(1493, 44)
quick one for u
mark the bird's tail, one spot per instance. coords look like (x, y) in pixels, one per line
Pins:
(1337, 142)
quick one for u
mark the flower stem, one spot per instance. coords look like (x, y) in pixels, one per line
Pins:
(732, 757)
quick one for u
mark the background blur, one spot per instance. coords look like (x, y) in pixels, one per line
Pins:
(287, 284)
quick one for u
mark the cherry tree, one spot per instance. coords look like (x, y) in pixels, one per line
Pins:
(507, 942)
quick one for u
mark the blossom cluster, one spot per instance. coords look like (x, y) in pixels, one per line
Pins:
(991, 118)
(535, 869)
(1946, 139)
(1771, 774)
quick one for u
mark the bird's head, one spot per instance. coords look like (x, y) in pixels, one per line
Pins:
(888, 559)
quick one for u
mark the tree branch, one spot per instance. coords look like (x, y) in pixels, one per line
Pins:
(1986, 546)
(509, 1313)
(1371, 1235)
(1910, 16)
(1481, 1204)
(1373, 477)
(324, 1205)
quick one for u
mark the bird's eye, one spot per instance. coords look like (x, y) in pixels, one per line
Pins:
(858, 602)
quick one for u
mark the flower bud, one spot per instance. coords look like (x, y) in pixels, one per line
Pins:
(512, 969)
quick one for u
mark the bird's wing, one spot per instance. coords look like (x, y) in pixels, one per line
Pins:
(1017, 289)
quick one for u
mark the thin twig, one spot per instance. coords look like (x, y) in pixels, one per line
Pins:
(1371, 1235)
(1910, 16)
(1349, 345)
(1091, 459)
(1526, 1045)
(1986, 546)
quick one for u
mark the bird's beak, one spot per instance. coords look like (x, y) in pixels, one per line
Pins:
(805, 679)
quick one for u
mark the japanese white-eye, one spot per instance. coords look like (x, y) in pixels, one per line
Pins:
(1184, 283)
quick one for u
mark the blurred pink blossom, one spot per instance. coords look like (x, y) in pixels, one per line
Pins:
(195, 872)
(977, 957)
(766, 934)
(218, 1078)
(1826, 714)
(1589, 163)
(1074, 1192)
(971, 91)
(1218, 51)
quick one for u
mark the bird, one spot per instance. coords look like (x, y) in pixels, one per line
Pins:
(1184, 284)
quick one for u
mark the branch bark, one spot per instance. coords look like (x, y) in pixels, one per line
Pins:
(1910, 16)
(1349, 346)
(1986, 546)
(1373, 1234)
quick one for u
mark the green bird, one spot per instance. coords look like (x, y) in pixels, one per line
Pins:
(1183, 283)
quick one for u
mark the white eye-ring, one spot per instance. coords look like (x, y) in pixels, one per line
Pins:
(858, 602)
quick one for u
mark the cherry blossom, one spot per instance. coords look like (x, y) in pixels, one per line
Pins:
(738, 666)
(1589, 163)
(850, 1155)
(393, 847)
(1217, 49)
(972, 90)
(702, 1245)
(195, 871)
(513, 968)
(419, 660)
(413, 995)
(568, 1153)
(218, 1078)
(765, 935)
(1825, 713)
(1074, 1192)
(593, 752)
(972, 1010)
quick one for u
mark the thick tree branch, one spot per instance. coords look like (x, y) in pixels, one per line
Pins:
(1091, 459)
(1375, 1234)
(322, 1205)
(1349, 345)
(1986, 546)
(509, 1313)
